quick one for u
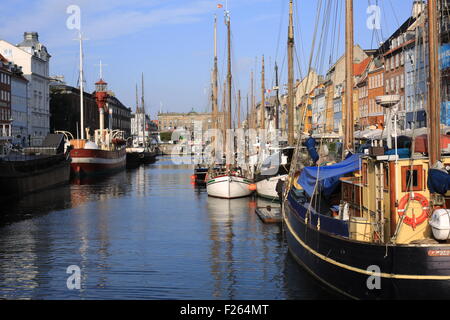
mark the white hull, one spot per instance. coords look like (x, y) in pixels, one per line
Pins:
(267, 188)
(229, 187)
(93, 160)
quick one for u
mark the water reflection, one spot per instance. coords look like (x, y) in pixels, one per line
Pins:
(145, 234)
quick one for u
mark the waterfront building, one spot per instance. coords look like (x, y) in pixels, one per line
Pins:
(329, 94)
(5, 100)
(19, 106)
(171, 121)
(416, 64)
(304, 94)
(121, 115)
(375, 112)
(338, 101)
(65, 111)
(335, 97)
(308, 123)
(318, 109)
(393, 51)
(34, 59)
(362, 91)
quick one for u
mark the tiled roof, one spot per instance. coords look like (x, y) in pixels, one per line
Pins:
(358, 69)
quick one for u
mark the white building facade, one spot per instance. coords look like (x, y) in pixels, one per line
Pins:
(34, 59)
(19, 107)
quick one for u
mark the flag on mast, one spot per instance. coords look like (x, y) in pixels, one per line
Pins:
(219, 6)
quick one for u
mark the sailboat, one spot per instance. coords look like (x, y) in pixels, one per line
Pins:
(106, 154)
(374, 226)
(201, 170)
(228, 182)
(140, 151)
(275, 168)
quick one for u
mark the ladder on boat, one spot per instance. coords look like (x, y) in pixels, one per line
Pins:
(379, 200)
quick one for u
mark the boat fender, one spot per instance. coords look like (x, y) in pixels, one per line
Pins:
(413, 221)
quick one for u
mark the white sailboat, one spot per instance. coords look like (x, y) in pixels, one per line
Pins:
(227, 182)
(229, 186)
(275, 168)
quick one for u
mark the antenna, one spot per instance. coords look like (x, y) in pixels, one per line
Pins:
(101, 65)
(80, 39)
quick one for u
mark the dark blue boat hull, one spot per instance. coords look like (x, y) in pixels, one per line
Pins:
(407, 272)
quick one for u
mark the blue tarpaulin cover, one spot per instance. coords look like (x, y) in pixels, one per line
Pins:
(438, 181)
(328, 176)
(311, 146)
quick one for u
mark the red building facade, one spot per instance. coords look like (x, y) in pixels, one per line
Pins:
(5, 98)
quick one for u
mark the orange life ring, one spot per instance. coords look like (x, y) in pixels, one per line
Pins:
(413, 221)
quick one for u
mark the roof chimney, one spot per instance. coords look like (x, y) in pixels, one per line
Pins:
(418, 8)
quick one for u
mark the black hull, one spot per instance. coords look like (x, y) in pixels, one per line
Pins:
(133, 160)
(148, 157)
(407, 271)
(200, 176)
(18, 178)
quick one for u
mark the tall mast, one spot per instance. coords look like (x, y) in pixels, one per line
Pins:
(229, 79)
(348, 114)
(215, 79)
(137, 110)
(143, 111)
(248, 126)
(81, 88)
(239, 110)
(434, 96)
(263, 98)
(277, 102)
(137, 99)
(252, 115)
(225, 115)
(290, 99)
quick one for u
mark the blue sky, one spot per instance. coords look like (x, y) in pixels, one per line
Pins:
(171, 41)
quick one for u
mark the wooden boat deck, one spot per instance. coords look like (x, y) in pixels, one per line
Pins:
(269, 214)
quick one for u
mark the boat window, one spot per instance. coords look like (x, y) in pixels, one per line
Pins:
(412, 180)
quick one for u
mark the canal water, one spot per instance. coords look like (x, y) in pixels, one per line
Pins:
(146, 233)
